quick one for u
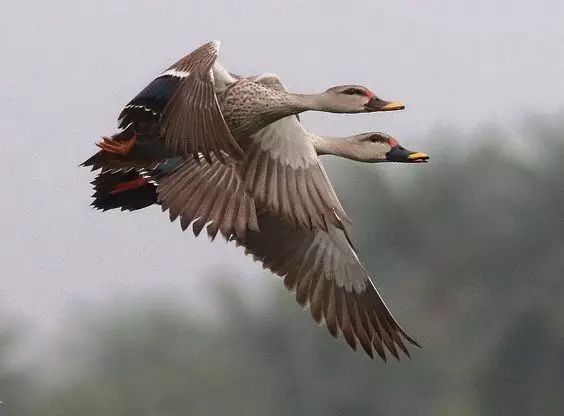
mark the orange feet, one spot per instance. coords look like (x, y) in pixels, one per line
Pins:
(120, 147)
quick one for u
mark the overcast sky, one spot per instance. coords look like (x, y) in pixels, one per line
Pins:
(69, 66)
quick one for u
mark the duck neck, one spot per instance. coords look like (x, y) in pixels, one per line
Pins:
(314, 102)
(337, 146)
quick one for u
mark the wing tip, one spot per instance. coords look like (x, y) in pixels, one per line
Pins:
(412, 341)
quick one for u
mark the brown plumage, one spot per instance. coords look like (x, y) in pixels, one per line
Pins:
(200, 193)
(203, 110)
(192, 121)
(262, 184)
(323, 270)
(302, 194)
(320, 266)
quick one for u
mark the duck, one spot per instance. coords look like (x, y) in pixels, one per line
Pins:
(268, 194)
(250, 108)
(265, 203)
(201, 109)
(256, 204)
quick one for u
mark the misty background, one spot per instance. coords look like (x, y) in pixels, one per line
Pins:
(114, 313)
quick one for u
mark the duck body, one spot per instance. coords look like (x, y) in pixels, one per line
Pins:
(261, 185)
(246, 106)
(201, 109)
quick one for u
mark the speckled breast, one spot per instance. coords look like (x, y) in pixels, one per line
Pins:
(248, 106)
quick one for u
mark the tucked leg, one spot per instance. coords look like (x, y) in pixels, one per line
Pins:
(120, 147)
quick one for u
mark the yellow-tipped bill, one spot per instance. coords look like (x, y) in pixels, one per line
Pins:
(418, 156)
(393, 106)
(377, 104)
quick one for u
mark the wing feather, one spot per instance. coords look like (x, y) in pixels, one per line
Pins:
(303, 195)
(209, 196)
(323, 269)
(184, 103)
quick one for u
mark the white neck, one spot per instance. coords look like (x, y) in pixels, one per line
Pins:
(315, 102)
(324, 102)
(337, 146)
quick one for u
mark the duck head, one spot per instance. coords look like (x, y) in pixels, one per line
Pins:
(379, 147)
(357, 99)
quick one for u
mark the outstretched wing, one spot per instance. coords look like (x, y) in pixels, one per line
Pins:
(281, 171)
(207, 195)
(183, 100)
(320, 266)
(326, 274)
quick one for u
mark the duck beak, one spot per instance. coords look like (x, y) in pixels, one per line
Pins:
(418, 157)
(377, 104)
(402, 155)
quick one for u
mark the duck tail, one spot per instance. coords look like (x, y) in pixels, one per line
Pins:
(128, 181)
(97, 161)
(129, 191)
(111, 161)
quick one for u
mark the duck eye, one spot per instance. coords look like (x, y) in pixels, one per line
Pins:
(353, 91)
(373, 139)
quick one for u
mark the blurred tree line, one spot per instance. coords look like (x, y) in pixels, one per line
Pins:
(469, 255)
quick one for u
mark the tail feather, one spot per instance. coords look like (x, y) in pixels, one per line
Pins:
(110, 162)
(120, 183)
(125, 190)
(148, 152)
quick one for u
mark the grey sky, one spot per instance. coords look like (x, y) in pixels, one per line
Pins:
(68, 67)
